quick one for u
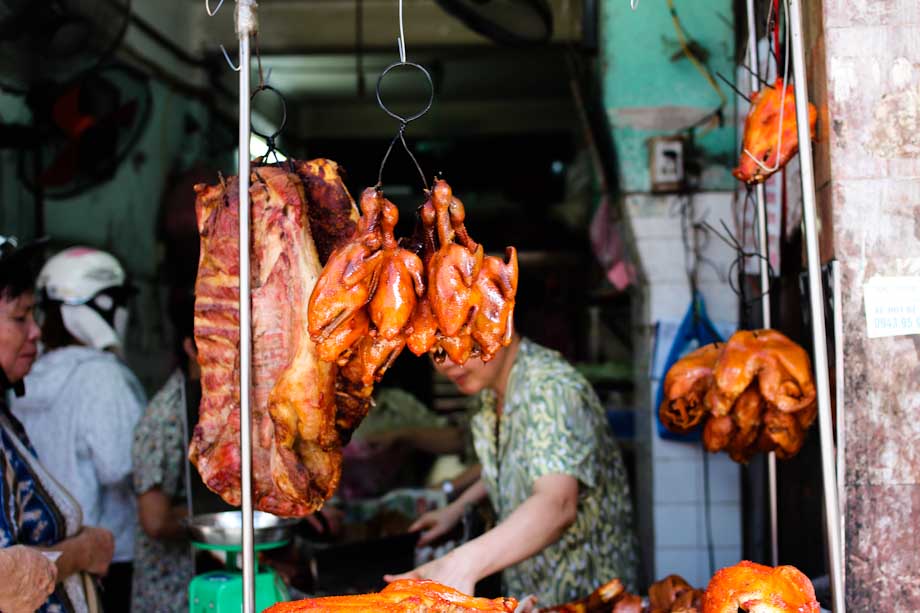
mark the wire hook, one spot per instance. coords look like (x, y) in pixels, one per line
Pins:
(401, 39)
(207, 7)
(633, 4)
(233, 67)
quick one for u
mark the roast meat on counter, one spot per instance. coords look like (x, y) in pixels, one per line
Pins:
(755, 588)
(403, 596)
(300, 212)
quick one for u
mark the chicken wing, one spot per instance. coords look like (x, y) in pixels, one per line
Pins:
(685, 386)
(717, 433)
(372, 356)
(747, 416)
(401, 280)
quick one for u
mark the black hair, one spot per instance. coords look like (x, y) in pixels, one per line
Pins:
(54, 332)
(181, 311)
(17, 278)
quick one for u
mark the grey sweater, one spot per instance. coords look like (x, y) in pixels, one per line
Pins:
(80, 410)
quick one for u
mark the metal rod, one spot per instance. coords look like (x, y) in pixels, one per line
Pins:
(762, 249)
(816, 296)
(840, 412)
(245, 23)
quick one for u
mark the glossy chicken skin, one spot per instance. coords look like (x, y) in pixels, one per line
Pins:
(765, 139)
(401, 280)
(403, 596)
(599, 600)
(493, 303)
(371, 358)
(663, 593)
(348, 280)
(452, 271)
(747, 415)
(685, 386)
(628, 603)
(717, 433)
(747, 586)
(422, 331)
(782, 368)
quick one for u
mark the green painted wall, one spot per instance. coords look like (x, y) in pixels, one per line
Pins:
(647, 94)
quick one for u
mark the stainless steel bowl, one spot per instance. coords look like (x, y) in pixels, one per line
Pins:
(226, 529)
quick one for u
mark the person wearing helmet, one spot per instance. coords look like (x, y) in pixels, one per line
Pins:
(46, 554)
(82, 402)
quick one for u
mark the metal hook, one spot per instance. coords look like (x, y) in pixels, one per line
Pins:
(401, 40)
(207, 7)
(270, 138)
(633, 4)
(233, 67)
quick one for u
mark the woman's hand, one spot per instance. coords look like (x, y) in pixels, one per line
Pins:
(435, 524)
(457, 569)
(97, 546)
(28, 579)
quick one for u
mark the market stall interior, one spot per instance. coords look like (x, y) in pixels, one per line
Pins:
(424, 178)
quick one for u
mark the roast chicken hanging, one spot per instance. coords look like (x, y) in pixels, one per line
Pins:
(753, 394)
(770, 135)
(435, 293)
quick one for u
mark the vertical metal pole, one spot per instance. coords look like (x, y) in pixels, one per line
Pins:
(762, 247)
(245, 22)
(816, 296)
(839, 397)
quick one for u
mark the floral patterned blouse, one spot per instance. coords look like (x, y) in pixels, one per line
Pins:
(162, 569)
(553, 423)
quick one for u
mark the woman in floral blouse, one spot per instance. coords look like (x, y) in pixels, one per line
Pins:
(554, 475)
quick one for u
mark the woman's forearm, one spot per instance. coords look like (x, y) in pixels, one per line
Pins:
(72, 559)
(536, 524)
(474, 494)
(437, 441)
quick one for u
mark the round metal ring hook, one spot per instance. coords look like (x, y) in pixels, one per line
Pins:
(271, 137)
(396, 116)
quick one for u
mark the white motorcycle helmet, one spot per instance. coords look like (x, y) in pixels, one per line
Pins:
(92, 290)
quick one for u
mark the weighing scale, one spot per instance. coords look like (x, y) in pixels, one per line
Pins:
(221, 591)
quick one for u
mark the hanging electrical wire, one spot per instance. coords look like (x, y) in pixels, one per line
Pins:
(699, 65)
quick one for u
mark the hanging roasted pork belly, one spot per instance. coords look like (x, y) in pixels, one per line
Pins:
(297, 403)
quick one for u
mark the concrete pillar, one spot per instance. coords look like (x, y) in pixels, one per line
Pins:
(868, 177)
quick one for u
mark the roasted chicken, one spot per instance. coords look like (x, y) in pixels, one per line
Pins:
(348, 281)
(599, 600)
(769, 144)
(782, 368)
(662, 594)
(452, 270)
(747, 416)
(401, 281)
(422, 332)
(493, 303)
(403, 596)
(754, 588)
(685, 386)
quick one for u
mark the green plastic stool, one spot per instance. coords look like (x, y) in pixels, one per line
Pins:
(221, 591)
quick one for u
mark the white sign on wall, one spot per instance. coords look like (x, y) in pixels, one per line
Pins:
(892, 306)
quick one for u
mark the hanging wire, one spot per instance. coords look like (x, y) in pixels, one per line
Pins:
(207, 7)
(263, 86)
(403, 121)
(738, 263)
(633, 4)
